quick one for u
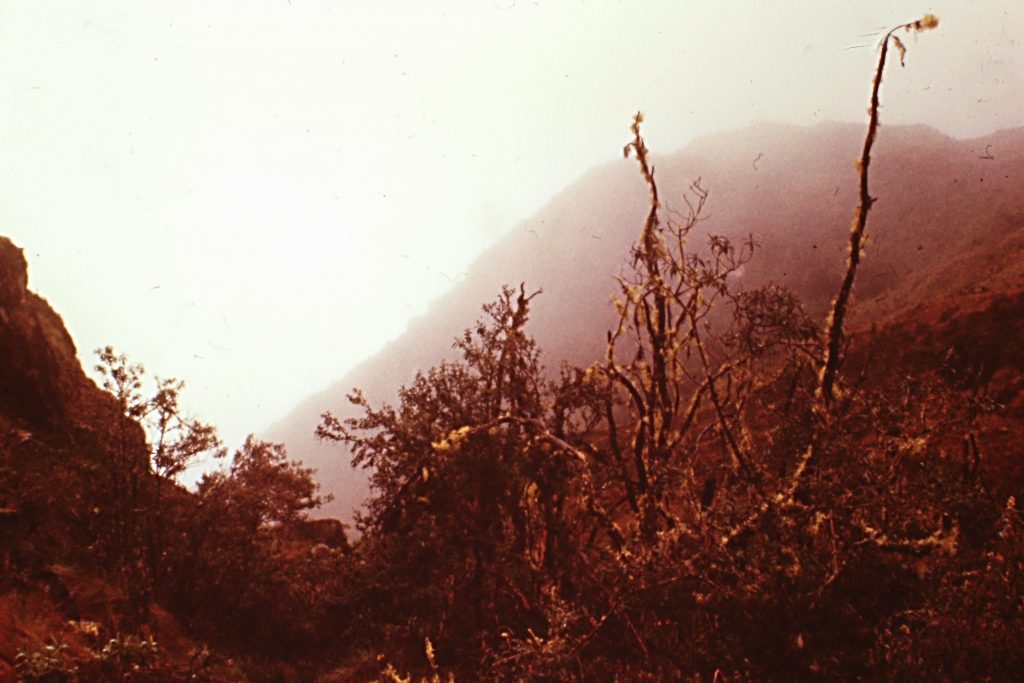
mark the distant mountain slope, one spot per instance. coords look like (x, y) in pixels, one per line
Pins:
(949, 216)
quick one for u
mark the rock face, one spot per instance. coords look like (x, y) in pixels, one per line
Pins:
(42, 385)
(58, 430)
(68, 460)
(60, 434)
(13, 274)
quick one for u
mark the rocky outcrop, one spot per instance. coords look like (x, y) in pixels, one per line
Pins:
(42, 385)
(13, 275)
(69, 462)
(59, 432)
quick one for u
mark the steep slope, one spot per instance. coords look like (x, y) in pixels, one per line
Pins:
(53, 419)
(43, 386)
(946, 210)
(58, 434)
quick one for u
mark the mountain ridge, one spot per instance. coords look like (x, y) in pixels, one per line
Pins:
(792, 187)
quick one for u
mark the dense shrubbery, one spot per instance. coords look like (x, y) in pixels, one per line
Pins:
(238, 561)
(714, 499)
(686, 507)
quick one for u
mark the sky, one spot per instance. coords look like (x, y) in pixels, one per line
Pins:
(254, 197)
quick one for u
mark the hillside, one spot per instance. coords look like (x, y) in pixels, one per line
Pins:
(946, 212)
(702, 490)
(59, 435)
(109, 570)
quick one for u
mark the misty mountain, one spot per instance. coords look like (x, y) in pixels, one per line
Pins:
(948, 219)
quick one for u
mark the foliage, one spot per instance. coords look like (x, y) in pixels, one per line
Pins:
(121, 658)
(715, 499)
(262, 489)
(244, 570)
(391, 675)
(127, 657)
(720, 497)
(470, 519)
(235, 555)
(48, 664)
(137, 541)
(175, 441)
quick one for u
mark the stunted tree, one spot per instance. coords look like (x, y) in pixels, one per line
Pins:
(137, 477)
(668, 459)
(716, 428)
(123, 380)
(262, 488)
(471, 519)
(240, 570)
(175, 440)
(660, 356)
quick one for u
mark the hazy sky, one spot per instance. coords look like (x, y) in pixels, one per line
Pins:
(256, 196)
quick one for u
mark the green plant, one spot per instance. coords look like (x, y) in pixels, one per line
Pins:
(129, 652)
(391, 675)
(137, 539)
(47, 664)
(473, 516)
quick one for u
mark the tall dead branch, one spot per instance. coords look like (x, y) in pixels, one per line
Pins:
(834, 335)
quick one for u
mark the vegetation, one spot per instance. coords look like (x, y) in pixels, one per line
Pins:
(715, 499)
(733, 492)
(48, 663)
